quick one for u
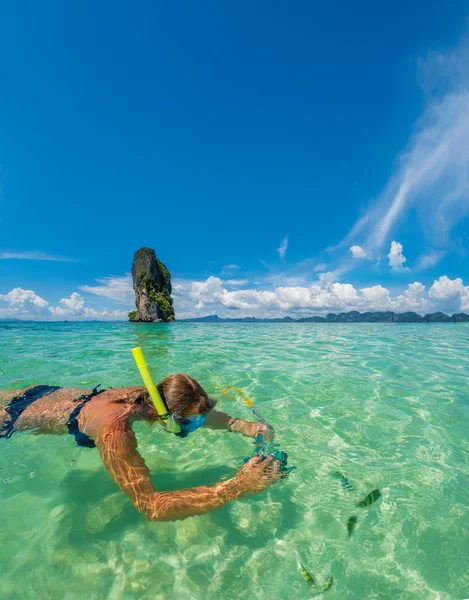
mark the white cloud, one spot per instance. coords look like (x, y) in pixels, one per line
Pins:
(450, 293)
(283, 247)
(415, 289)
(397, 258)
(377, 297)
(180, 286)
(283, 298)
(231, 267)
(197, 298)
(327, 277)
(413, 299)
(431, 175)
(72, 307)
(358, 252)
(444, 288)
(74, 304)
(210, 297)
(206, 292)
(119, 289)
(236, 282)
(34, 256)
(25, 304)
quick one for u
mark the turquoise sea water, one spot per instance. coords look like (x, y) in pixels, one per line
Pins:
(387, 405)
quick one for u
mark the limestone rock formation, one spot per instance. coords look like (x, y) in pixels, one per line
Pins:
(152, 286)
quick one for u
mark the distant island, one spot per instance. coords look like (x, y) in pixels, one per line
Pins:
(345, 317)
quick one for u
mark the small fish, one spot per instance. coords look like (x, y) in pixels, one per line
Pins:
(370, 499)
(345, 483)
(327, 585)
(351, 525)
(308, 577)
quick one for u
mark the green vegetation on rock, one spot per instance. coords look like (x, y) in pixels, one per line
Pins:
(165, 305)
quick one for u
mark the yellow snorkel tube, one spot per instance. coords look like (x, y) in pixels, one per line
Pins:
(161, 408)
(238, 391)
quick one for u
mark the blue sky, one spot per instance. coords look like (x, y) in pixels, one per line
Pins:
(251, 145)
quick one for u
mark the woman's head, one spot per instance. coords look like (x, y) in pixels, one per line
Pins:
(183, 395)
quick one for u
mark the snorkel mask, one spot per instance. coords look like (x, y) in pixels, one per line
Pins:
(189, 424)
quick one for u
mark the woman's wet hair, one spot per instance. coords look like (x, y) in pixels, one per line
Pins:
(183, 394)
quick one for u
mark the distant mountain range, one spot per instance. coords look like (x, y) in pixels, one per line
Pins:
(347, 317)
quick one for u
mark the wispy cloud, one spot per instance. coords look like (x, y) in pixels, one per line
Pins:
(34, 256)
(283, 247)
(320, 267)
(266, 265)
(428, 260)
(119, 289)
(432, 174)
(237, 282)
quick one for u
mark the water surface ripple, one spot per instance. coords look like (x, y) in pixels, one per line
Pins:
(387, 405)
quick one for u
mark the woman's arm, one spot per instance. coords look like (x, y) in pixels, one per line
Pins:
(118, 449)
(220, 420)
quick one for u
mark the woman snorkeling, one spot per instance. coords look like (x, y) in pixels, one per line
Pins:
(104, 418)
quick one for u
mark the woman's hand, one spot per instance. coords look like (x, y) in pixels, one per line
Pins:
(257, 474)
(219, 420)
(252, 430)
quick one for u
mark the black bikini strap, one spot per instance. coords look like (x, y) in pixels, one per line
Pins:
(72, 424)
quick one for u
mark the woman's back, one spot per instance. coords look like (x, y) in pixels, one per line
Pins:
(50, 410)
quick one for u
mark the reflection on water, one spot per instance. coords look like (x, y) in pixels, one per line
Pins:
(357, 408)
(158, 340)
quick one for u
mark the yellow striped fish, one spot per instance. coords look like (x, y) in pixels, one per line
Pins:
(327, 585)
(351, 525)
(307, 576)
(345, 483)
(310, 579)
(370, 499)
